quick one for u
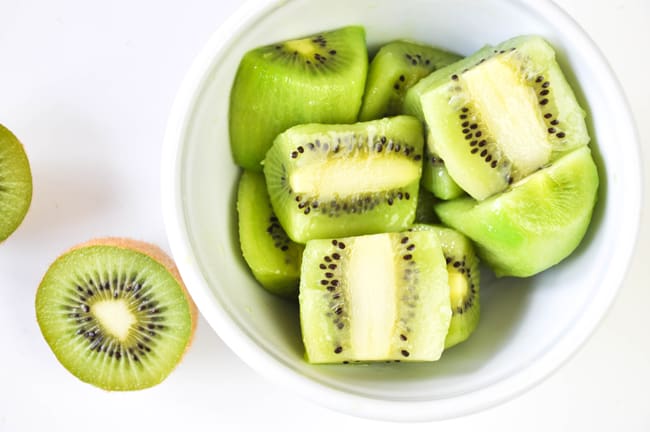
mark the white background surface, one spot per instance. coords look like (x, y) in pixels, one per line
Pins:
(87, 86)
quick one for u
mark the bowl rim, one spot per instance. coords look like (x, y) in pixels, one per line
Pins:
(267, 365)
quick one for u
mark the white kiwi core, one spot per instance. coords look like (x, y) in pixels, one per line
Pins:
(496, 88)
(372, 287)
(338, 177)
(115, 317)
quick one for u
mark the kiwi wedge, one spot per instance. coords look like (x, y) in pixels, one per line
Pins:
(396, 67)
(115, 313)
(272, 257)
(535, 223)
(15, 183)
(502, 117)
(381, 297)
(328, 181)
(436, 179)
(464, 282)
(316, 79)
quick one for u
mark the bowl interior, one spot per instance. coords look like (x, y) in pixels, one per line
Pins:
(523, 320)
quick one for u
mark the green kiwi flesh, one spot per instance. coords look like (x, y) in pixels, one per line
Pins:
(15, 183)
(115, 317)
(424, 212)
(535, 223)
(502, 117)
(272, 257)
(382, 297)
(464, 282)
(436, 179)
(328, 181)
(396, 67)
(317, 79)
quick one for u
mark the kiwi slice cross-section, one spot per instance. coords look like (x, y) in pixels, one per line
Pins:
(15, 183)
(271, 255)
(502, 117)
(329, 181)
(396, 67)
(464, 282)
(381, 297)
(317, 79)
(115, 313)
(534, 224)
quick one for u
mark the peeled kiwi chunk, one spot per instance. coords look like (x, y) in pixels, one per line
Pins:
(271, 255)
(115, 313)
(535, 223)
(436, 179)
(396, 67)
(328, 181)
(464, 282)
(501, 117)
(15, 183)
(381, 297)
(316, 79)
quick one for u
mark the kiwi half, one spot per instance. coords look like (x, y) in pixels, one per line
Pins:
(271, 255)
(115, 313)
(396, 67)
(15, 183)
(535, 223)
(464, 282)
(329, 181)
(317, 79)
(503, 116)
(379, 297)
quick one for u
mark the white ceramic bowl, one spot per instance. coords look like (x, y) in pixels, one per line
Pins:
(529, 327)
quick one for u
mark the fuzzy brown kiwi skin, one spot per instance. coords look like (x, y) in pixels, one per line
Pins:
(155, 253)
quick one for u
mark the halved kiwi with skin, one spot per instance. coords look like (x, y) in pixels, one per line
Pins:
(328, 181)
(381, 297)
(464, 282)
(535, 223)
(396, 67)
(271, 255)
(15, 183)
(115, 313)
(316, 79)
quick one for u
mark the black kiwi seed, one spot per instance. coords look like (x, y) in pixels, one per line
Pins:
(405, 353)
(551, 130)
(548, 115)
(555, 122)
(474, 150)
(338, 350)
(560, 135)
(543, 101)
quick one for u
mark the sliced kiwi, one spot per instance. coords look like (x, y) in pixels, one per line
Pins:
(535, 223)
(379, 297)
(317, 79)
(273, 258)
(116, 313)
(330, 181)
(502, 117)
(396, 67)
(464, 282)
(436, 179)
(15, 183)
(424, 212)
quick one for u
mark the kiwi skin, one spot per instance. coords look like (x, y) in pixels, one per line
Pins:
(155, 253)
